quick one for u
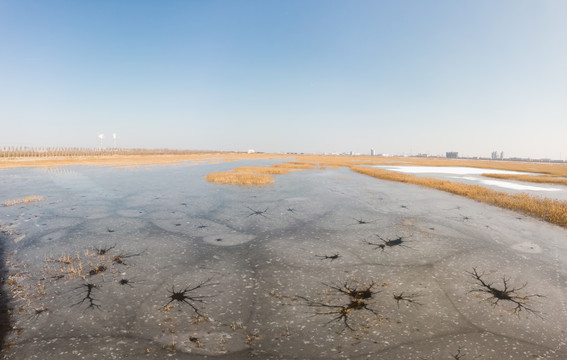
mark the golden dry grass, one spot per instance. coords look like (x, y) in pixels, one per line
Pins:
(66, 266)
(123, 159)
(550, 210)
(295, 165)
(255, 175)
(26, 200)
(262, 170)
(239, 178)
(540, 179)
(341, 160)
(167, 157)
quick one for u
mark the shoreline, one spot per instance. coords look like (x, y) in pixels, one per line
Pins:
(105, 160)
(556, 169)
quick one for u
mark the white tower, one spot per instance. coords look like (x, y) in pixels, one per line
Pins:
(101, 136)
(114, 137)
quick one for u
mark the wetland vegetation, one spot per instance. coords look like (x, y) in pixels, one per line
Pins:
(325, 262)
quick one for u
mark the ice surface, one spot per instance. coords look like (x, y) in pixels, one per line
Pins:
(195, 270)
(463, 175)
(516, 186)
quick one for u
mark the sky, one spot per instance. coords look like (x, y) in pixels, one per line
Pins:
(314, 76)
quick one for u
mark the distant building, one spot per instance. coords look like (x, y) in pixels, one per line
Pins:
(251, 151)
(496, 156)
(452, 154)
(371, 152)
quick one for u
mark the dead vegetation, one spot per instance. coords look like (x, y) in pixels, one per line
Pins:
(295, 165)
(94, 261)
(25, 200)
(30, 287)
(236, 178)
(254, 176)
(272, 170)
(112, 157)
(539, 179)
(550, 210)
(62, 156)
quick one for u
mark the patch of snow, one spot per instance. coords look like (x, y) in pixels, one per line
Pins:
(510, 185)
(457, 170)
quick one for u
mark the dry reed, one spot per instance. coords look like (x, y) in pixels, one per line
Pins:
(30, 157)
(540, 179)
(239, 178)
(550, 210)
(255, 175)
(295, 165)
(262, 170)
(27, 199)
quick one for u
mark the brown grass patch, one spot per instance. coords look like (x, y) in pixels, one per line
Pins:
(262, 170)
(550, 210)
(27, 199)
(238, 178)
(255, 175)
(120, 159)
(540, 179)
(342, 160)
(295, 165)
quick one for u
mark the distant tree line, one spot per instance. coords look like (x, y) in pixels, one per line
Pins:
(41, 152)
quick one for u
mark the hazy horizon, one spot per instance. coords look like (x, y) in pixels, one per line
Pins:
(312, 76)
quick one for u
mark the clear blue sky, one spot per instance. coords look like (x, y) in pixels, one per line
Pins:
(279, 76)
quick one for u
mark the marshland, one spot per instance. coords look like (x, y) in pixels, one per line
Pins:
(271, 256)
(264, 242)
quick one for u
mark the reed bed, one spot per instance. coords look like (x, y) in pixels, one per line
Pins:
(263, 170)
(540, 179)
(61, 156)
(66, 151)
(239, 178)
(295, 165)
(550, 210)
(255, 175)
(25, 200)
(555, 169)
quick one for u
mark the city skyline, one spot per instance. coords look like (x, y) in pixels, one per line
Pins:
(310, 76)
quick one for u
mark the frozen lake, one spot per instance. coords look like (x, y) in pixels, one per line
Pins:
(473, 176)
(155, 262)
